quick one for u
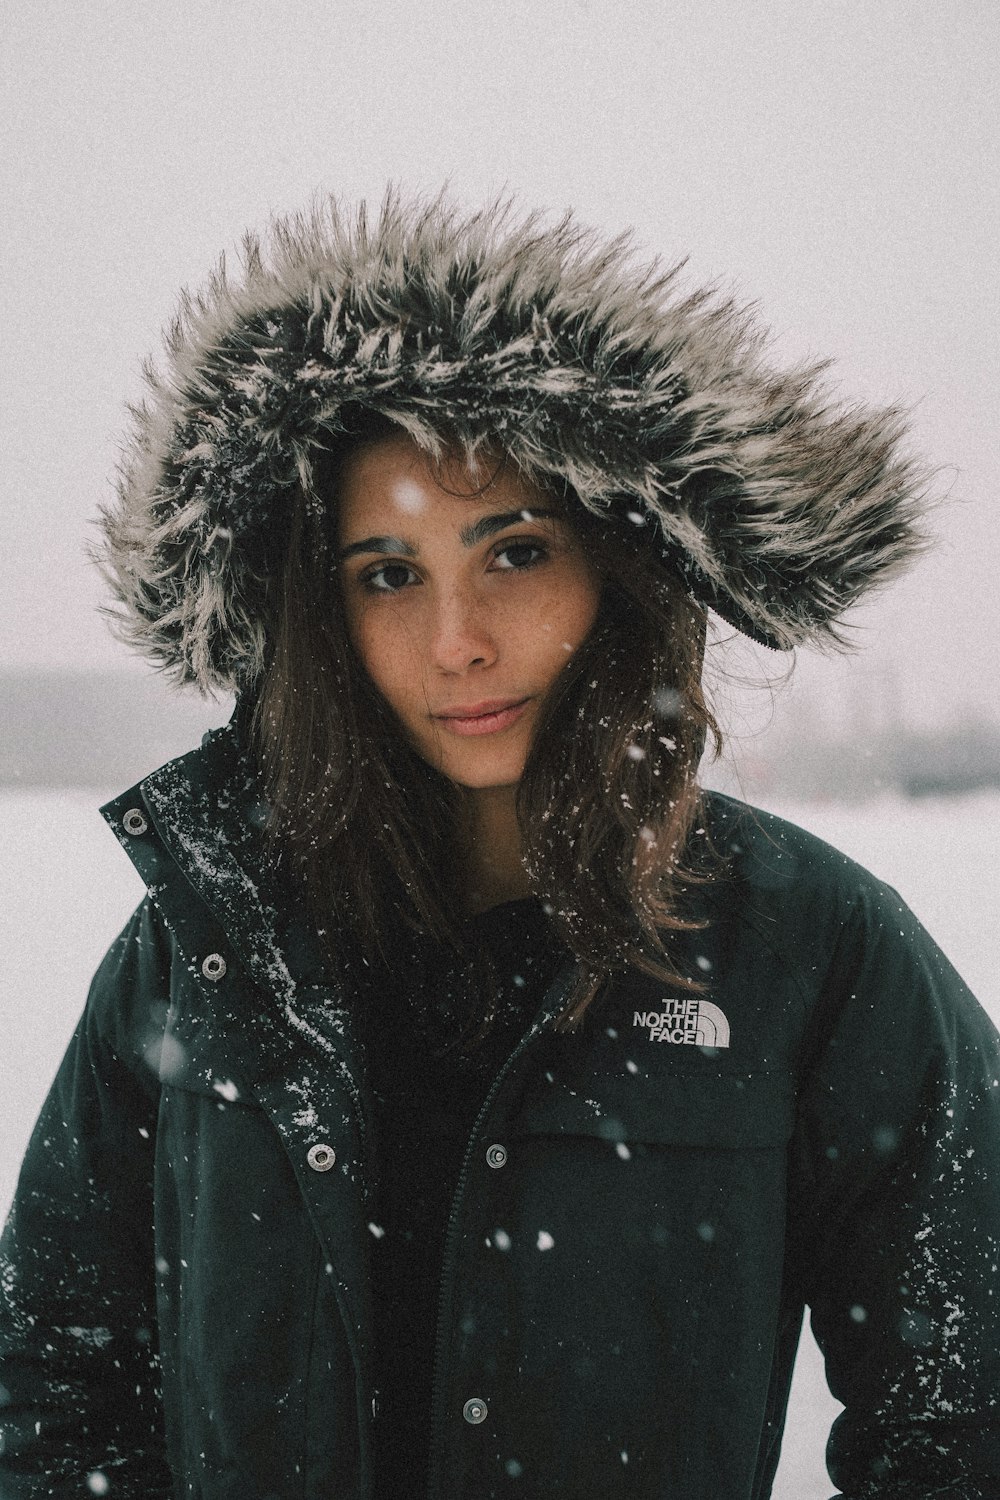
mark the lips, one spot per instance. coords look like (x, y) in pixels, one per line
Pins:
(479, 710)
(488, 717)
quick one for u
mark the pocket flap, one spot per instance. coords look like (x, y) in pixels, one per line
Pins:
(735, 1112)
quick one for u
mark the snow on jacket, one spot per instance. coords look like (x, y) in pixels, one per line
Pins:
(673, 1184)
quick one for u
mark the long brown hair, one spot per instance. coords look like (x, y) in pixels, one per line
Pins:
(607, 799)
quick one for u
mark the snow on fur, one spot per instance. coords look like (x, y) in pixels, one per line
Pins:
(779, 507)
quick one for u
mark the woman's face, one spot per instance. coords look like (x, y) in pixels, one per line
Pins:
(462, 610)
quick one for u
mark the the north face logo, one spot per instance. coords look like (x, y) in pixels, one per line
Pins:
(691, 1022)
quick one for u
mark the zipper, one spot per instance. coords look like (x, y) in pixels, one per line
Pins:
(537, 1029)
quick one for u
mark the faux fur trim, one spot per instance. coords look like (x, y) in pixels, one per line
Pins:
(780, 507)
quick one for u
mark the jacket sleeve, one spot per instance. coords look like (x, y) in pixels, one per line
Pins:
(896, 1208)
(79, 1399)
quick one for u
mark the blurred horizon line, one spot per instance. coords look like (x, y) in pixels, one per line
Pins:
(67, 727)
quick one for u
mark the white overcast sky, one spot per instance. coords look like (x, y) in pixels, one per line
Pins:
(834, 161)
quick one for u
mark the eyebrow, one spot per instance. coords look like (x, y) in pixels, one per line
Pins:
(470, 536)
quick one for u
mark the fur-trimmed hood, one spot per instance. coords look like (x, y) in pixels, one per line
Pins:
(779, 507)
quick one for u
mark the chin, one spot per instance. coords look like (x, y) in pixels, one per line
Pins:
(484, 778)
(475, 766)
(479, 773)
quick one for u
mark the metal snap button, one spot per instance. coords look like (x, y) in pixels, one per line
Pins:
(496, 1156)
(134, 822)
(321, 1157)
(214, 966)
(474, 1410)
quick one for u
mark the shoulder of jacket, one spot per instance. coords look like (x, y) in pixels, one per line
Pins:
(769, 854)
(129, 995)
(794, 891)
(849, 940)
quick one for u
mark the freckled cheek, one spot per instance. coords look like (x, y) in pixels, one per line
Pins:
(581, 619)
(379, 649)
(393, 661)
(571, 623)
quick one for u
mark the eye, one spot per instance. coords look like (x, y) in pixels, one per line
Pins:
(386, 579)
(518, 552)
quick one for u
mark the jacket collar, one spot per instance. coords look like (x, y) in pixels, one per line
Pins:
(205, 811)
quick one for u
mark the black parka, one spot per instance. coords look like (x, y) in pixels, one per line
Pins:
(644, 1209)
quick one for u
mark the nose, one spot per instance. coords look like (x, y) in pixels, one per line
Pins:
(462, 632)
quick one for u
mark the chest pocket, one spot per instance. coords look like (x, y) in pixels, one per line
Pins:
(708, 1110)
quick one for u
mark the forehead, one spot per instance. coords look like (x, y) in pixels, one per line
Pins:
(395, 478)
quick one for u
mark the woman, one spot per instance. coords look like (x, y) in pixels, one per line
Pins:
(473, 1105)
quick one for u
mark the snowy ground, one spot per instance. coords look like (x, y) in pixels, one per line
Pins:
(66, 890)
